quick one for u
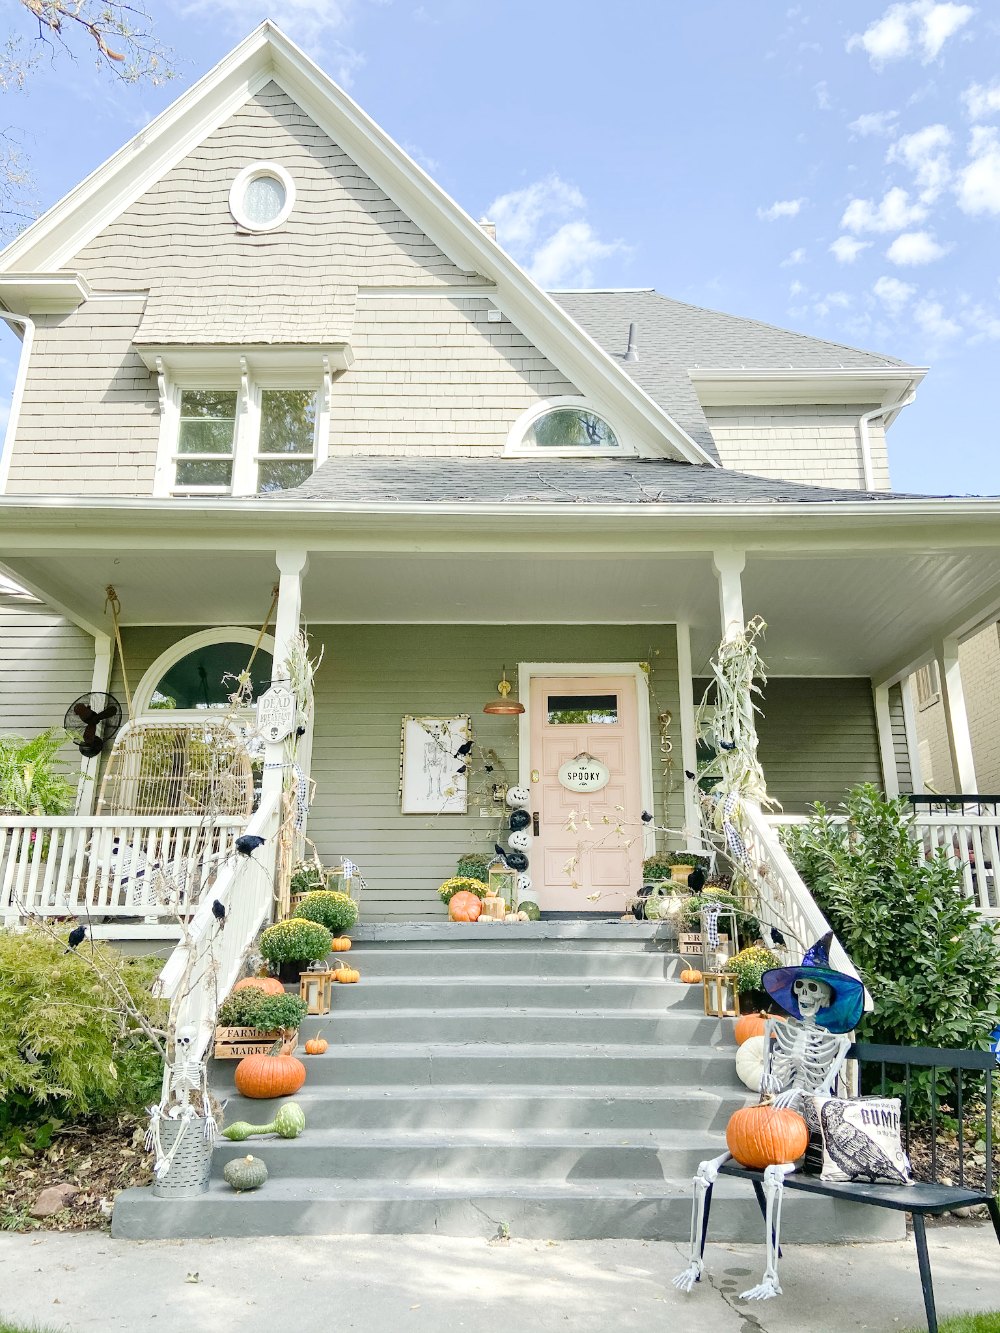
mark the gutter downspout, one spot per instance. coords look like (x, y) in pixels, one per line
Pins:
(27, 339)
(864, 421)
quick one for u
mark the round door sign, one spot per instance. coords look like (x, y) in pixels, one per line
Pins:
(584, 773)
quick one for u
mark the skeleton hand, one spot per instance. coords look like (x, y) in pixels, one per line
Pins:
(787, 1100)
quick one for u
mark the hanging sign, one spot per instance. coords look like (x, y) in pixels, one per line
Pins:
(276, 713)
(584, 773)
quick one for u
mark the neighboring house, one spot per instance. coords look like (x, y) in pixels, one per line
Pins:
(260, 344)
(979, 658)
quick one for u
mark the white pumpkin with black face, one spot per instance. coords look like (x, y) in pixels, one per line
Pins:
(518, 798)
(523, 885)
(520, 841)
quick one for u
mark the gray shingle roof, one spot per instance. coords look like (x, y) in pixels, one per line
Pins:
(674, 338)
(495, 480)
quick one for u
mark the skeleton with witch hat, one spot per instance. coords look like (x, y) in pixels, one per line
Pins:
(804, 1057)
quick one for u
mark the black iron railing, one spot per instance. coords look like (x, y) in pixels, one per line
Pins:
(982, 807)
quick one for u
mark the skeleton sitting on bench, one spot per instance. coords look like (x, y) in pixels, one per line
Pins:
(803, 1057)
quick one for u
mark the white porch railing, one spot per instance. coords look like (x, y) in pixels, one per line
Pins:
(205, 966)
(109, 865)
(784, 899)
(968, 828)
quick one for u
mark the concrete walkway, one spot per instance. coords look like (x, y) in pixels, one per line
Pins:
(427, 1284)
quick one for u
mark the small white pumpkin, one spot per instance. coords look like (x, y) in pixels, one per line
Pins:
(518, 798)
(520, 841)
(750, 1062)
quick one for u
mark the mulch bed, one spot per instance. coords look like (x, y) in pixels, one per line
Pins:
(100, 1159)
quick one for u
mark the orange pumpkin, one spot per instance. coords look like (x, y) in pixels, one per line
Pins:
(316, 1045)
(269, 985)
(340, 944)
(691, 975)
(760, 1136)
(347, 975)
(276, 1074)
(752, 1025)
(465, 907)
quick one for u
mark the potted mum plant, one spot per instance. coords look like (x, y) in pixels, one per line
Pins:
(749, 965)
(336, 911)
(251, 1020)
(291, 945)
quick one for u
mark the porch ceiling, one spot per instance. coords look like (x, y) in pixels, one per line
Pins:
(851, 613)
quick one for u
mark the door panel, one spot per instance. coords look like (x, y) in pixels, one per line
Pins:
(605, 864)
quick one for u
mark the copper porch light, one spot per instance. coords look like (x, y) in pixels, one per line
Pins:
(504, 706)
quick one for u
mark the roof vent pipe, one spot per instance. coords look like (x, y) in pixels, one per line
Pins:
(631, 351)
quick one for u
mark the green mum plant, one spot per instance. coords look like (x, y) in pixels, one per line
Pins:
(295, 941)
(461, 884)
(251, 1008)
(474, 865)
(306, 876)
(749, 965)
(330, 908)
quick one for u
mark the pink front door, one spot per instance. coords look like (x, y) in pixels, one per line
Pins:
(594, 716)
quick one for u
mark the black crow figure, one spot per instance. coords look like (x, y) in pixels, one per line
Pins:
(219, 912)
(76, 937)
(697, 879)
(248, 842)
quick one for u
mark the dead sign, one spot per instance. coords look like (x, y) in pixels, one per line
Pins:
(276, 713)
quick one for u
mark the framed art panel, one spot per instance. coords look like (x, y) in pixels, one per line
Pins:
(433, 776)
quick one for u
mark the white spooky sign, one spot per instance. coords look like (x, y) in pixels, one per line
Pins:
(584, 773)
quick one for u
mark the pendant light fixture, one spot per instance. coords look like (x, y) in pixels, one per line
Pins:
(505, 706)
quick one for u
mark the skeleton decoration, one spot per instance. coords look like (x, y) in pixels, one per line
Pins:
(805, 1055)
(187, 1079)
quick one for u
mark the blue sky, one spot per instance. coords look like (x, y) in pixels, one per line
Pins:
(829, 168)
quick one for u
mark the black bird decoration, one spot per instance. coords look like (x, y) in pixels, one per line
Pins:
(461, 768)
(689, 775)
(219, 911)
(248, 842)
(727, 745)
(463, 749)
(500, 853)
(697, 879)
(76, 937)
(647, 818)
(488, 767)
(777, 937)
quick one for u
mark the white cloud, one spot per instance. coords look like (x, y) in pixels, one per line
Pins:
(832, 300)
(981, 101)
(983, 323)
(781, 208)
(918, 28)
(846, 249)
(543, 228)
(796, 257)
(933, 321)
(893, 213)
(978, 183)
(314, 24)
(796, 288)
(915, 247)
(893, 293)
(925, 152)
(822, 91)
(880, 123)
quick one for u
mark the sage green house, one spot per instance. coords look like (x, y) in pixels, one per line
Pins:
(262, 348)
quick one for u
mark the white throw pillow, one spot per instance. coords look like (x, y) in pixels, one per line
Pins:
(861, 1140)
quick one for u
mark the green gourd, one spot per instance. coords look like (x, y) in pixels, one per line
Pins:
(531, 909)
(245, 1173)
(289, 1121)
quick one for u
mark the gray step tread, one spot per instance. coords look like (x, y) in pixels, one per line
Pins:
(521, 1051)
(284, 1188)
(493, 1138)
(474, 979)
(500, 1092)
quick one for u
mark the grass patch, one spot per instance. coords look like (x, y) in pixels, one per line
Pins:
(7, 1327)
(958, 1323)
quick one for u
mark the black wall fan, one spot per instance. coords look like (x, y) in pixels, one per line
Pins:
(92, 721)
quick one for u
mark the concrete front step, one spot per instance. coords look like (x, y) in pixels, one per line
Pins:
(461, 991)
(519, 960)
(536, 1209)
(524, 1025)
(575, 935)
(422, 1155)
(494, 1109)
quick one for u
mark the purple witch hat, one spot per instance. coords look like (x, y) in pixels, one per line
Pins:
(848, 1004)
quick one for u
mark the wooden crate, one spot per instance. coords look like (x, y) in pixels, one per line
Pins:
(235, 1043)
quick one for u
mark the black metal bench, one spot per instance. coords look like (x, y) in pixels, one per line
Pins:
(925, 1198)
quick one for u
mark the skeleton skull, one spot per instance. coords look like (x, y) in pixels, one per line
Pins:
(185, 1036)
(812, 996)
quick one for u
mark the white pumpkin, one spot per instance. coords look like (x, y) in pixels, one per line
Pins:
(518, 798)
(750, 1062)
(520, 841)
(523, 886)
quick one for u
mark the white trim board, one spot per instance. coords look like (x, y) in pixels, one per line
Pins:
(527, 671)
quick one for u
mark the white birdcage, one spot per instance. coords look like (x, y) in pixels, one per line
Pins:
(179, 768)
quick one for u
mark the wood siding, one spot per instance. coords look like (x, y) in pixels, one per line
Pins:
(817, 443)
(899, 746)
(45, 663)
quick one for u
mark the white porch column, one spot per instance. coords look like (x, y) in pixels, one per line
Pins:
(912, 739)
(956, 717)
(292, 563)
(100, 681)
(689, 735)
(729, 566)
(886, 745)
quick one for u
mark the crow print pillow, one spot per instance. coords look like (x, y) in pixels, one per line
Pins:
(861, 1140)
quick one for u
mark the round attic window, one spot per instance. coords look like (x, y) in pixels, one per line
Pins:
(262, 196)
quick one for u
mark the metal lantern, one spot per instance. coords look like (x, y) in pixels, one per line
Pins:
(503, 883)
(722, 996)
(718, 937)
(316, 990)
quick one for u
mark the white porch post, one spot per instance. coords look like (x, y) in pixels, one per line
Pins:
(292, 563)
(100, 682)
(886, 745)
(689, 737)
(729, 566)
(956, 717)
(912, 739)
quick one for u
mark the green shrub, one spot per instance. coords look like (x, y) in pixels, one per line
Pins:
(475, 865)
(295, 940)
(31, 777)
(337, 911)
(252, 1008)
(660, 865)
(931, 963)
(749, 965)
(306, 876)
(461, 884)
(69, 1048)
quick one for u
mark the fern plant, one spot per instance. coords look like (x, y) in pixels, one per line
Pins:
(31, 774)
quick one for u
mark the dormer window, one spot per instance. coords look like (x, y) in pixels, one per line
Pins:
(564, 427)
(262, 196)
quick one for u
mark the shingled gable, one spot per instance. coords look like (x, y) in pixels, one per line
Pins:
(268, 56)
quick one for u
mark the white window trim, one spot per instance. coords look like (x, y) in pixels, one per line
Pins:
(516, 447)
(238, 193)
(248, 381)
(143, 696)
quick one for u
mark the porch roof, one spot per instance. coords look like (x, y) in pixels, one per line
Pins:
(597, 481)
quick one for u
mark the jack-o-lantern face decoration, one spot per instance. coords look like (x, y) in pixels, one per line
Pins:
(520, 841)
(523, 885)
(519, 819)
(518, 798)
(517, 860)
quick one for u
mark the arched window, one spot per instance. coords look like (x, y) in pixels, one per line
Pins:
(198, 674)
(564, 426)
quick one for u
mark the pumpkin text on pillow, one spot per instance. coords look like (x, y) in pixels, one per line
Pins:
(861, 1140)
